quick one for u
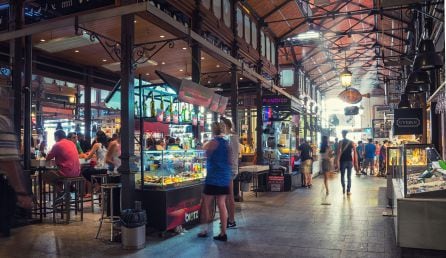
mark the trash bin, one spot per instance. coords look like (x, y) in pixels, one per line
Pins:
(133, 228)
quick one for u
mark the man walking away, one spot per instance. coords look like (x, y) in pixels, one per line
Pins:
(370, 150)
(346, 155)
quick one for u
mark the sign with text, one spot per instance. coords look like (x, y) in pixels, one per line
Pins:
(408, 121)
(275, 100)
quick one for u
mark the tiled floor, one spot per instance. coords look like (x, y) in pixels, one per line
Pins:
(293, 224)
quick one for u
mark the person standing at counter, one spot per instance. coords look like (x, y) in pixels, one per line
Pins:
(306, 162)
(370, 150)
(217, 180)
(233, 140)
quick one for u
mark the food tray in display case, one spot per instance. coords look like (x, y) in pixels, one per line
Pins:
(424, 171)
(172, 168)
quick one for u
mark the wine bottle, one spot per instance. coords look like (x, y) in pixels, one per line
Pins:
(171, 108)
(152, 106)
(183, 113)
(144, 108)
(136, 108)
(187, 113)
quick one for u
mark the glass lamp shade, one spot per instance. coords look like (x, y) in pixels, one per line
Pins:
(404, 102)
(417, 82)
(346, 78)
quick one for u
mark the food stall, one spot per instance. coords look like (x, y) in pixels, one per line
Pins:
(169, 178)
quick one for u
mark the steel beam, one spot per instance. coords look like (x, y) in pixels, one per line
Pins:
(277, 8)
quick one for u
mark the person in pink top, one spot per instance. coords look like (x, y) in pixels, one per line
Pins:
(66, 156)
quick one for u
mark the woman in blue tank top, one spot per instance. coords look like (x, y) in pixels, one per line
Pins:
(217, 180)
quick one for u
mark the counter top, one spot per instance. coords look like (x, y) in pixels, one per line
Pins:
(253, 168)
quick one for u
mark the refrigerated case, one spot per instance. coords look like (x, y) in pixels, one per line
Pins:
(422, 176)
(170, 187)
(419, 199)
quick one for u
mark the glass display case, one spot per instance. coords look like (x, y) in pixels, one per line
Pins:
(422, 172)
(172, 168)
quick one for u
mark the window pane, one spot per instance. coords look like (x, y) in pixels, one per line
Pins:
(217, 8)
(239, 23)
(262, 42)
(286, 78)
(273, 53)
(227, 13)
(247, 29)
(206, 3)
(268, 49)
(254, 34)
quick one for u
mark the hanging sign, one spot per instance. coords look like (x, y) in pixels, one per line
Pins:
(408, 121)
(193, 93)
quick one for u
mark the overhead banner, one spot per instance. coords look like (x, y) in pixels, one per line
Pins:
(408, 121)
(281, 102)
(193, 93)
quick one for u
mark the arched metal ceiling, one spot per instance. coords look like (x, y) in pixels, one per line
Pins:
(364, 35)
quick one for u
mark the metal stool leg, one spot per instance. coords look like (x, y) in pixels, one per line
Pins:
(67, 201)
(102, 216)
(111, 215)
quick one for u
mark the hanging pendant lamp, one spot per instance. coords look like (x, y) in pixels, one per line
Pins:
(417, 82)
(427, 58)
(404, 102)
(346, 75)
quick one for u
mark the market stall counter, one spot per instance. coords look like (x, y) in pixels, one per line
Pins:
(171, 186)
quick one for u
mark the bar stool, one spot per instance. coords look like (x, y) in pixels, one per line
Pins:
(78, 185)
(102, 179)
(108, 203)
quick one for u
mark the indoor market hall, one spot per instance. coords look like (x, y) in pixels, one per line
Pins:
(222, 128)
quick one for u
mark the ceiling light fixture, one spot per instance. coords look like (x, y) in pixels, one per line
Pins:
(181, 70)
(76, 51)
(218, 66)
(104, 60)
(427, 58)
(163, 63)
(184, 48)
(346, 75)
(404, 102)
(42, 40)
(417, 82)
(162, 36)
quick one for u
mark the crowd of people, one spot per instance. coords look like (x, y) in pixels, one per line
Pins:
(343, 156)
